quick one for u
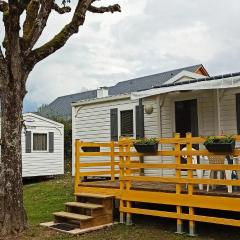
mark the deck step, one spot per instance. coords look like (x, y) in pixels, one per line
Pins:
(94, 195)
(72, 216)
(84, 205)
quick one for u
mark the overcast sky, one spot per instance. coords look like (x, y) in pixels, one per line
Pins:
(149, 36)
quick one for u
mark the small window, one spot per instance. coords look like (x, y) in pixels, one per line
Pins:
(126, 123)
(39, 142)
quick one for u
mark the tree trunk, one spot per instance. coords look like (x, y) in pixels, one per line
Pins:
(12, 213)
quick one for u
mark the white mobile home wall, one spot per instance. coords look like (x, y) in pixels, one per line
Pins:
(91, 122)
(43, 163)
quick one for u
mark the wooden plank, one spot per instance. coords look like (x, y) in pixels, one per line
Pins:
(76, 231)
(96, 173)
(84, 205)
(221, 167)
(94, 154)
(94, 164)
(178, 186)
(88, 189)
(222, 182)
(73, 216)
(198, 201)
(151, 212)
(190, 186)
(174, 153)
(112, 161)
(77, 161)
(198, 218)
(94, 195)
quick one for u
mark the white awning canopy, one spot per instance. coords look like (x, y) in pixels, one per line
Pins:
(223, 83)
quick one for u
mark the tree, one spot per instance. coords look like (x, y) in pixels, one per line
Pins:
(16, 62)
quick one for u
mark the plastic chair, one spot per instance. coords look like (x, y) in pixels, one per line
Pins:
(195, 161)
(219, 159)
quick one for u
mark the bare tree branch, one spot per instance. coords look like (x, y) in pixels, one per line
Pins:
(61, 10)
(111, 8)
(32, 35)
(61, 38)
(3, 6)
(31, 15)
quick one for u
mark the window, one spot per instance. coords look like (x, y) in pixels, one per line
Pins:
(39, 141)
(126, 118)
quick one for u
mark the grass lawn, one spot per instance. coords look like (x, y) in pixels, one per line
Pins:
(41, 199)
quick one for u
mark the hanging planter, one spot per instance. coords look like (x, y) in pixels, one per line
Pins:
(225, 144)
(91, 149)
(146, 145)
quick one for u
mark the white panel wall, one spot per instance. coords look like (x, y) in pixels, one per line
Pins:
(91, 123)
(206, 119)
(43, 163)
(152, 129)
(228, 111)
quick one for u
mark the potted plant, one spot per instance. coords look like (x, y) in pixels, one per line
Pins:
(146, 145)
(223, 144)
(91, 149)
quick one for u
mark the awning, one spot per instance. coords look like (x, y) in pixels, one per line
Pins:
(230, 82)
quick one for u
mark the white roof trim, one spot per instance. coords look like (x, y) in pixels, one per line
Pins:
(182, 74)
(100, 100)
(42, 118)
(223, 83)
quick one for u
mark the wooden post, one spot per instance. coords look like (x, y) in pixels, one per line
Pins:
(128, 184)
(190, 186)
(178, 185)
(122, 215)
(112, 161)
(77, 161)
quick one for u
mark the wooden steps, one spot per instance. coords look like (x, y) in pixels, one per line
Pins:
(83, 205)
(94, 195)
(89, 211)
(73, 216)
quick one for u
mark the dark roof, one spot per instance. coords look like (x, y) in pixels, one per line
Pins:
(217, 77)
(148, 82)
(62, 105)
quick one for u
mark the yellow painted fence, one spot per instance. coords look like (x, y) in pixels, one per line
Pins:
(124, 165)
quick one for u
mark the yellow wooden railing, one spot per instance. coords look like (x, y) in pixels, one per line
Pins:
(124, 152)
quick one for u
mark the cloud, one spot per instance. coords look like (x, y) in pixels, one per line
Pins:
(149, 36)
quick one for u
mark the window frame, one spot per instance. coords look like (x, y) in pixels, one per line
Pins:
(127, 108)
(40, 151)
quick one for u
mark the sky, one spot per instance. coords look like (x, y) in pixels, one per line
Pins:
(147, 37)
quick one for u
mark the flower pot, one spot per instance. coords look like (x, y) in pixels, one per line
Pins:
(221, 147)
(91, 149)
(146, 148)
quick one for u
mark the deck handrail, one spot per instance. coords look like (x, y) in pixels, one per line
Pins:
(124, 163)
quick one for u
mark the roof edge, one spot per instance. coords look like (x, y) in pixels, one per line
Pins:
(43, 118)
(101, 100)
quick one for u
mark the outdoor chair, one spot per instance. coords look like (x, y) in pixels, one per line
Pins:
(219, 159)
(194, 161)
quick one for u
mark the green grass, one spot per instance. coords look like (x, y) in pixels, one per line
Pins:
(41, 199)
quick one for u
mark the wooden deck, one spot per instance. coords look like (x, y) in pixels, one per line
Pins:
(220, 191)
(123, 164)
